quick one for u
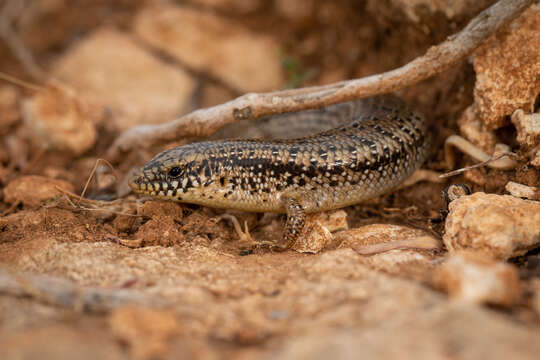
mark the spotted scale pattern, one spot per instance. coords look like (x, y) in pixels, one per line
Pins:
(371, 153)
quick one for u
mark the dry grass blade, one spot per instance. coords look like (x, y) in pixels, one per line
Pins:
(467, 168)
(19, 82)
(96, 205)
(92, 174)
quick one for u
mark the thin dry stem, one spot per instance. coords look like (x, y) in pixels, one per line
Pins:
(499, 160)
(95, 205)
(438, 58)
(19, 82)
(467, 168)
(11, 208)
(92, 174)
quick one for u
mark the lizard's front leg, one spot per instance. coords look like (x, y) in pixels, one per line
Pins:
(296, 219)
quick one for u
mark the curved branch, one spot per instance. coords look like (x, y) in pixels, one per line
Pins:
(438, 58)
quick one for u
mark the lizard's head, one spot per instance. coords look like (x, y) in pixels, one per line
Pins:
(179, 174)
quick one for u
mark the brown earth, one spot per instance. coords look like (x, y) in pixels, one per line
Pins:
(112, 276)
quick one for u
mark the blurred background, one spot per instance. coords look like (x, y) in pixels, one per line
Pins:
(75, 74)
(130, 62)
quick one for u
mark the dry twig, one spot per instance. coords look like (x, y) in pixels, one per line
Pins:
(438, 58)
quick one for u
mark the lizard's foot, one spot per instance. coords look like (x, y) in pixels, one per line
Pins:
(247, 243)
(244, 235)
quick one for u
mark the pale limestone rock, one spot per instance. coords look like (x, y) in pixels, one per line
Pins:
(135, 86)
(208, 43)
(147, 331)
(500, 226)
(314, 238)
(332, 220)
(507, 69)
(444, 331)
(317, 233)
(528, 127)
(58, 341)
(32, 190)
(61, 119)
(522, 191)
(472, 129)
(536, 160)
(479, 279)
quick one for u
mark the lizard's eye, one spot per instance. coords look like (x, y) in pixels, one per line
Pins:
(174, 172)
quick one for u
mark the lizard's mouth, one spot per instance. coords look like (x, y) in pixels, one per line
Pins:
(141, 182)
(136, 182)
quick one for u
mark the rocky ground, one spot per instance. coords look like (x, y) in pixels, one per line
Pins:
(112, 276)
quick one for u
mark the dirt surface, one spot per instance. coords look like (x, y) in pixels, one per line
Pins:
(113, 276)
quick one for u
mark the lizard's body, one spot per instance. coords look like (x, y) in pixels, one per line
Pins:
(371, 153)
